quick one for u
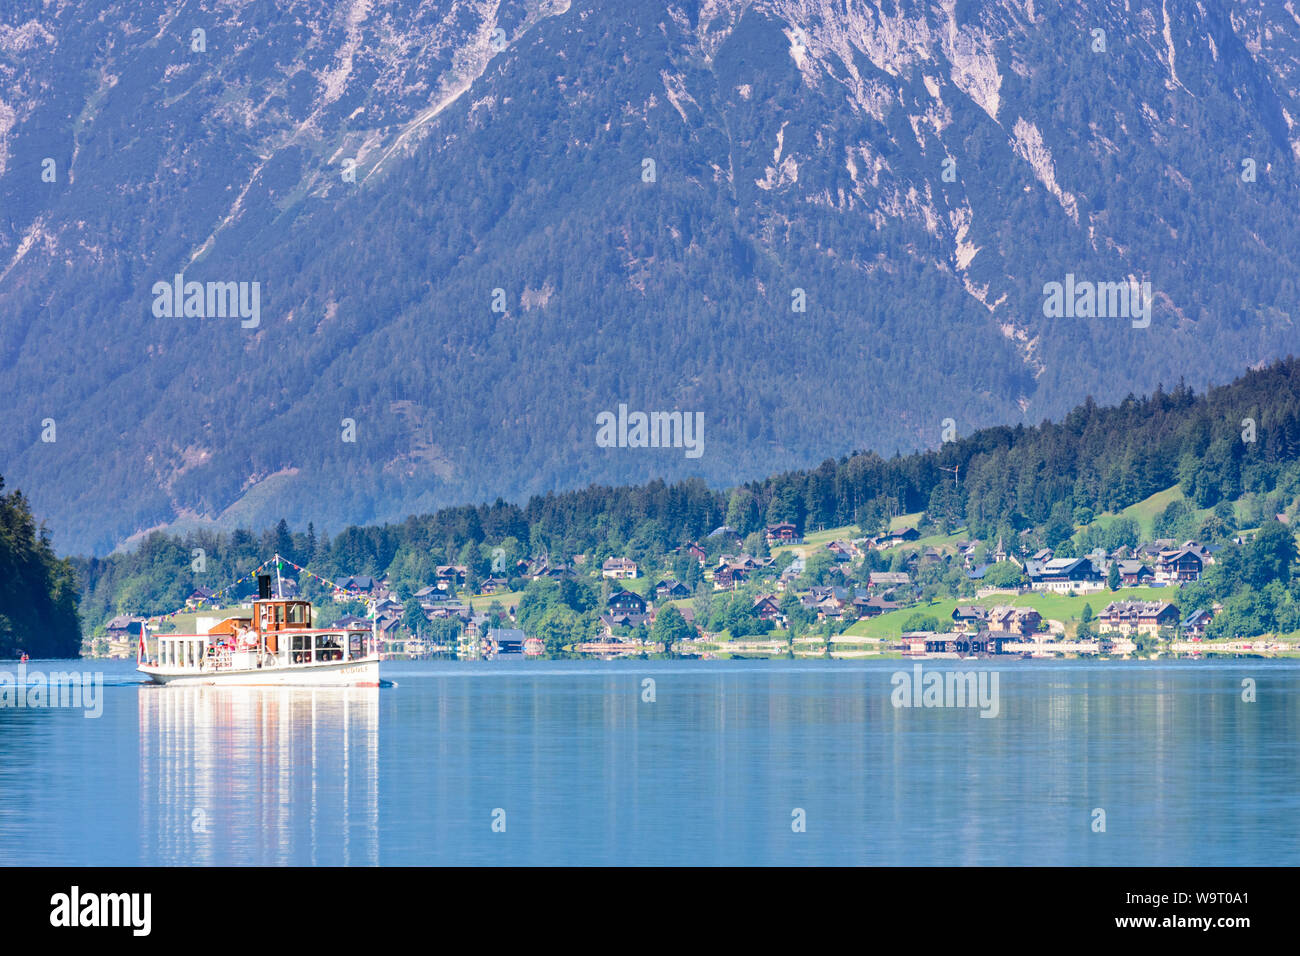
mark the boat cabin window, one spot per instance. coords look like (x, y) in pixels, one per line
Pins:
(300, 615)
(329, 647)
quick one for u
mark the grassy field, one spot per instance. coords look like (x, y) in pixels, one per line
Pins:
(1056, 607)
(1144, 512)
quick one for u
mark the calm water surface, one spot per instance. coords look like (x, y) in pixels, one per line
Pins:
(710, 772)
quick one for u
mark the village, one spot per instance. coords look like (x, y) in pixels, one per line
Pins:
(1122, 604)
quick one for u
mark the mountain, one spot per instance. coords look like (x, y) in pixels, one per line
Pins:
(649, 192)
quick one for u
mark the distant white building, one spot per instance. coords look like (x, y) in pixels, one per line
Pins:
(618, 568)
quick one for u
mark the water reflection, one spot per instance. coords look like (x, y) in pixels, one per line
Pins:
(259, 775)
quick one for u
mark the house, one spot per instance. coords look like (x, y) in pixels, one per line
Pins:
(1129, 618)
(783, 533)
(627, 602)
(726, 577)
(453, 574)
(1014, 620)
(972, 614)
(1194, 626)
(618, 568)
(351, 621)
(1133, 573)
(840, 550)
(698, 553)
(671, 589)
(354, 585)
(505, 640)
(897, 537)
(1062, 575)
(493, 585)
(1179, 564)
(199, 596)
(888, 579)
(767, 608)
(613, 619)
(123, 635)
(875, 606)
(725, 531)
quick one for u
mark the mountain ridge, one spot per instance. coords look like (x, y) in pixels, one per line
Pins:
(796, 146)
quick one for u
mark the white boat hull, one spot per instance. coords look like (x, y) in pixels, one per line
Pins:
(355, 673)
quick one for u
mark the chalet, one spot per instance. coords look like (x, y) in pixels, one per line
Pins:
(783, 533)
(1194, 626)
(886, 580)
(354, 585)
(613, 619)
(698, 553)
(970, 614)
(1134, 573)
(1129, 618)
(840, 550)
(671, 589)
(387, 606)
(557, 571)
(1062, 575)
(618, 568)
(1177, 565)
(452, 574)
(494, 584)
(727, 577)
(123, 635)
(931, 556)
(1151, 551)
(1015, 620)
(766, 608)
(447, 609)
(627, 602)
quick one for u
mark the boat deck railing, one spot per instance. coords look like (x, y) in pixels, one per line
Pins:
(208, 652)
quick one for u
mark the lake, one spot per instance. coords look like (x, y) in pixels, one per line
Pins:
(716, 762)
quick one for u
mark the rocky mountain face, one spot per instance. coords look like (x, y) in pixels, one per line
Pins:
(434, 242)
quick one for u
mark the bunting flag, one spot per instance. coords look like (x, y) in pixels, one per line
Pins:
(279, 563)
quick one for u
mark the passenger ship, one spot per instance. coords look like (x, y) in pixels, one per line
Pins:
(276, 646)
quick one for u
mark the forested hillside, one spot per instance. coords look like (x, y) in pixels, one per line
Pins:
(1031, 486)
(38, 591)
(477, 227)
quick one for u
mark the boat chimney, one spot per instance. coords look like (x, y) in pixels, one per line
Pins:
(264, 587)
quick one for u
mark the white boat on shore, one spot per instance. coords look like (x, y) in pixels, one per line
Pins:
(276, 646)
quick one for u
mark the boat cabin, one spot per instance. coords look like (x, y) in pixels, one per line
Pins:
(273, 616)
